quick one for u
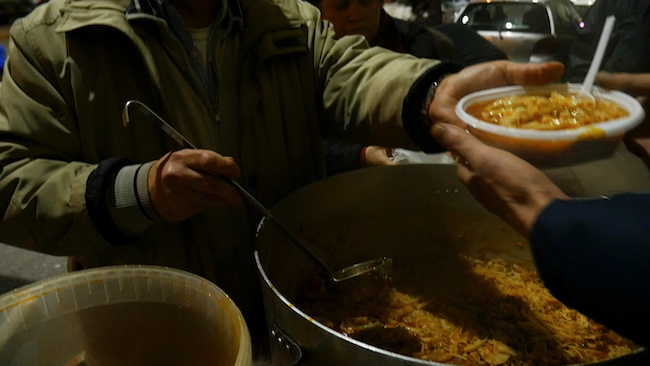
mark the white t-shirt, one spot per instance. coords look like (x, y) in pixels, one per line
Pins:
(200, 39)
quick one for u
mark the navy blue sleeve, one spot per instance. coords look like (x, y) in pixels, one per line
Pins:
(594, 256)
(341, 156)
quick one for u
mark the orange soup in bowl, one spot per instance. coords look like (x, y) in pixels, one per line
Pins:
(548, 111)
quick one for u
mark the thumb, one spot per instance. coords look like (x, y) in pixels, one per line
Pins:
(451, 137)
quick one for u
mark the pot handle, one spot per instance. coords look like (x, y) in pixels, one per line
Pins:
(284, 351)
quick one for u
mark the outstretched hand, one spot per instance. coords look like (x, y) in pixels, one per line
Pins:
(506, 185)
(378, 155)
(638, 85)
(487, 75)
(186, 182)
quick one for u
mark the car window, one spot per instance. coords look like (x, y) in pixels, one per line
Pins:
(521, 17)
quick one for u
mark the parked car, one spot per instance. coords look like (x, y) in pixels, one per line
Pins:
(526, 30)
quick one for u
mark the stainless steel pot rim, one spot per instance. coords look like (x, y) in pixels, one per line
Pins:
(349, 201)
(329, 330)
(372, 348)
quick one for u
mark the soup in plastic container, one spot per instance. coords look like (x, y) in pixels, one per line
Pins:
(122, 315)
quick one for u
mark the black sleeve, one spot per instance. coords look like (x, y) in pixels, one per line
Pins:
(470, 47)
(594, 256)
(417, 123)
(341, 156)
(97, 187)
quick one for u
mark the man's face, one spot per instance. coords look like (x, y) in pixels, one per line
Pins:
(353, 17)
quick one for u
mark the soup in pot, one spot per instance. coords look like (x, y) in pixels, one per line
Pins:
(466, 311)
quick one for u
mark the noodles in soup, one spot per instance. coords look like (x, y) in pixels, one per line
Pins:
(467, 312)
(553, 111)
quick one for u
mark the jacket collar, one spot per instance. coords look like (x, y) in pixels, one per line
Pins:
(279, 19)
(76, 14)
(155, 10)
(146, 9)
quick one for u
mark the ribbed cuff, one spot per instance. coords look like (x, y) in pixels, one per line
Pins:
(132, 209)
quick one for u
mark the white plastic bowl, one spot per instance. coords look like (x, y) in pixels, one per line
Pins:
(553, 147)
(123, 315)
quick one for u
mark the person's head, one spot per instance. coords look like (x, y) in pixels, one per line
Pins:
(353, 16)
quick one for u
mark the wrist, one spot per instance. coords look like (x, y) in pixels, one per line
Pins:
(131, 209)
(362, 158)
(431, 95)
(416, 123)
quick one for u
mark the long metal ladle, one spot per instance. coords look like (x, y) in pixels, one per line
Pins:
(379, 267)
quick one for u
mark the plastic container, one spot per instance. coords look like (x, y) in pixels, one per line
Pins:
(553, 147)
(127, 315)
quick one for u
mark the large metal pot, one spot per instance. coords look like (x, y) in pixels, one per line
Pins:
(415, 213)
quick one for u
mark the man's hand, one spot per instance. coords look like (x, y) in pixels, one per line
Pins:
(506, 185)
(377, 155)
(633, 84)
(484, 76)
(638, 85)
(186, 182)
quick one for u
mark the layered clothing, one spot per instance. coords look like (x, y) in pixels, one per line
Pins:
(274, 80)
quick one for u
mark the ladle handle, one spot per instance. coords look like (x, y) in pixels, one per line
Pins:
(182, 141)
(326, 272)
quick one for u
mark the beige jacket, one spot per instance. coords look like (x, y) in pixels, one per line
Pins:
(276, 74)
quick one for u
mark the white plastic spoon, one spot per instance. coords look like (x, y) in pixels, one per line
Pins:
(588, 83)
